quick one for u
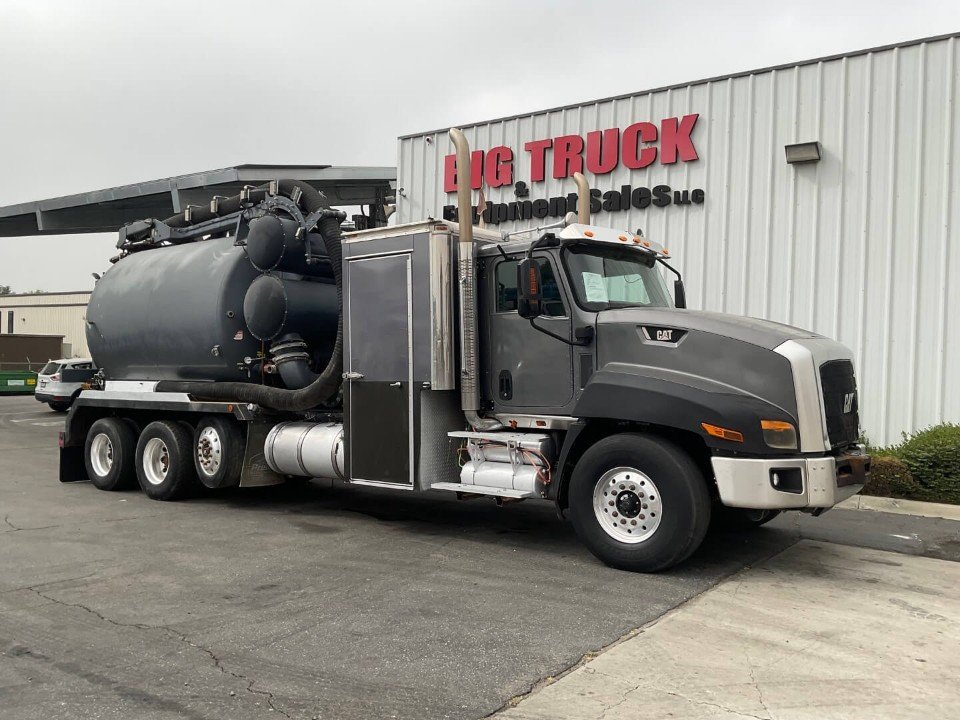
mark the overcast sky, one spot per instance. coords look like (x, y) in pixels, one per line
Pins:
(95, 94)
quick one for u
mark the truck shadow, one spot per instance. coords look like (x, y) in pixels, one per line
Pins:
(318, 509)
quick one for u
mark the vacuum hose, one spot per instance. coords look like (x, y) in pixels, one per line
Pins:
(327, 383)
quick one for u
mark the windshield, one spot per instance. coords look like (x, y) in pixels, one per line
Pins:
(611, 277)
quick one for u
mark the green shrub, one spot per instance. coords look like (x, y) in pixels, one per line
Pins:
(933, 458)
(890, 477)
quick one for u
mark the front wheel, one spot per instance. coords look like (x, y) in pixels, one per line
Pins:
(639, 502)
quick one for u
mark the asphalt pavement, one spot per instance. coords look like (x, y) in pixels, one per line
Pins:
(314, 601)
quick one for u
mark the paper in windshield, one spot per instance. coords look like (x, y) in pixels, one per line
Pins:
(594, 287)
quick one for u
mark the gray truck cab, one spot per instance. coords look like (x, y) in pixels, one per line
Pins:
(769, 412)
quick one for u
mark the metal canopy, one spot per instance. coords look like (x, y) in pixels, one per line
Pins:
(107, 210)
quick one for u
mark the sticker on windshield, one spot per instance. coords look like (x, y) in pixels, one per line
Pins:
(594, 287)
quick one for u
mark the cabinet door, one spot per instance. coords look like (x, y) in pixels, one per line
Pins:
(379, 371)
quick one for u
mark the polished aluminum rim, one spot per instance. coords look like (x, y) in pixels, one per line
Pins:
(156, 461)
(101, 454)
(627, 504)
(209, 451)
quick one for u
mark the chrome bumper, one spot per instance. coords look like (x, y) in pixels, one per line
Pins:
(790, 483)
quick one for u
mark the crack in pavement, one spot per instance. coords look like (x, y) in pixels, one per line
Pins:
(218, 663)
(6, 519)
(756, 686)
(718, 706)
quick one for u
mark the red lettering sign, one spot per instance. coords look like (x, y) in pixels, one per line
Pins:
(538, 154)
(603, 151)
(636, 147)
(675, 140)
(633, 156)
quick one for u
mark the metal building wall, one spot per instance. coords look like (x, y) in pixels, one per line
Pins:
(861, 246)
(49, 314)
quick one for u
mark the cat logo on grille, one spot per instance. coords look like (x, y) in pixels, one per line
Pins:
(848, 403)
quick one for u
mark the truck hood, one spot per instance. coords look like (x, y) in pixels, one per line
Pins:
(697, 347)
(763, 333)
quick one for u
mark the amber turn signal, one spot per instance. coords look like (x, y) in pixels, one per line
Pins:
(724, 433)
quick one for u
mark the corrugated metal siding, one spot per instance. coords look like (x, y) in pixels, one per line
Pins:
(45, 299)
(67, 318)
(858, 247)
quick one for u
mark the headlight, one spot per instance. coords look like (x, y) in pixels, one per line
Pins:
(779, 434)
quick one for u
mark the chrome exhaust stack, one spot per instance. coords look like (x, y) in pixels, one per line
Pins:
(583, 198)
(469, 355)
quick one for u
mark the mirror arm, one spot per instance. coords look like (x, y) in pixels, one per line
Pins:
(679, 293)
(568, 341)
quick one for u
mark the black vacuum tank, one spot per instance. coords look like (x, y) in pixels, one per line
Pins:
(178, 313)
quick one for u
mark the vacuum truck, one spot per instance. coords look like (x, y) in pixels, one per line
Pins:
(251, 341)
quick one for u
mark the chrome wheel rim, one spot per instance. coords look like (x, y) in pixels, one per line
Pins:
(101, 455)
(209, 451)
(156, 461)
(627, 504)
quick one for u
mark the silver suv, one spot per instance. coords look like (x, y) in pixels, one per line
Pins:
(58, 388)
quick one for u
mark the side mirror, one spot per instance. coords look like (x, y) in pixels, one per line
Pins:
(529, 297)
(679, 295)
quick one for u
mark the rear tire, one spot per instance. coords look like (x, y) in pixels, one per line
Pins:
(218, 449)
(109, 454)
(639, 503)
(165, 461)
(59, 406)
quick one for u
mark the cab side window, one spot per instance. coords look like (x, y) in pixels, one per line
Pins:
(506, 288)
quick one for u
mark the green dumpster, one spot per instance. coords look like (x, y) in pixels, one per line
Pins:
(17, 381)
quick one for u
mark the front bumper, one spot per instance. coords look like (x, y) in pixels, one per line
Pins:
(791, 482)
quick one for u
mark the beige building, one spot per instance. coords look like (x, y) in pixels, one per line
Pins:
(61, 313)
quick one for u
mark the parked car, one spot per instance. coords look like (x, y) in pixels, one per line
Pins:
(60, 381)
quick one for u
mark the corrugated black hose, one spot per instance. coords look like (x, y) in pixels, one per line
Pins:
(327, 384)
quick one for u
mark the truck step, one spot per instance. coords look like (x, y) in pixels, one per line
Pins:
(482, 490)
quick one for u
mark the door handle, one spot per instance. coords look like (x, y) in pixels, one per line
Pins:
(352, 376)
(396, 384)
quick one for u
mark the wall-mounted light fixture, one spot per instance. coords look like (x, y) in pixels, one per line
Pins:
(803, 152)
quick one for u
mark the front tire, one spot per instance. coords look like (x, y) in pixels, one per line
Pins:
(109, 454)
(165, 461)
(639, 502)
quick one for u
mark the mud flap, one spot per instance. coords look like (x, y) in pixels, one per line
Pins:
(72, 467)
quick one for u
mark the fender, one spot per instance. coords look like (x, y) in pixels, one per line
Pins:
(657, 396)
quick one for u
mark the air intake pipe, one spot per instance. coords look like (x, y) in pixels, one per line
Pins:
(327, 384)
(469, 391)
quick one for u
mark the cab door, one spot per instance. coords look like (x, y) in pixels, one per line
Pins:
(527, 370)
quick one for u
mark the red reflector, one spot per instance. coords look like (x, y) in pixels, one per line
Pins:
(60, 440)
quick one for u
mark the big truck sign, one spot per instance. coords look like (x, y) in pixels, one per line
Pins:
(634, 147)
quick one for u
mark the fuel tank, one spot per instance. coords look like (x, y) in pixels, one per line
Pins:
(177, 313)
